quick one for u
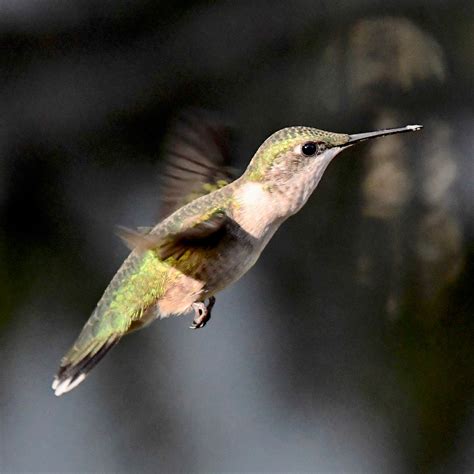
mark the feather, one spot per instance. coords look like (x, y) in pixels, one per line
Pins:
(197, 157)
(195, 234)
(71, 374)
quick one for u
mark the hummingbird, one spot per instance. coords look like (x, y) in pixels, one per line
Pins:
(213, 230)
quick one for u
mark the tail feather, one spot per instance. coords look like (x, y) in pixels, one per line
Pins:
(123, 306)
(70, 375)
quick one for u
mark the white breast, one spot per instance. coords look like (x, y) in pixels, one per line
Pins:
(257, 211)
(260, 212)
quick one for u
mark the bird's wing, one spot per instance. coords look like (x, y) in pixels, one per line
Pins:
(196, 161)
(197, 231)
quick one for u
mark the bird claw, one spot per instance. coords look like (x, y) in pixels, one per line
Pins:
(202, 313)
(197, 326)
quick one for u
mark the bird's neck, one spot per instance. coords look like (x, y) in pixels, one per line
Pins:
(261, 206)
(257, 211)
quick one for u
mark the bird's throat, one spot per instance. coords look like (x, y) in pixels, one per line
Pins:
(256, 210)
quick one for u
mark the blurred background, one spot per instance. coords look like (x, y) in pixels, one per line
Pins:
(349, 347)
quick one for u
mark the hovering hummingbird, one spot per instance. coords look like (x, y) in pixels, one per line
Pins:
(212, 232)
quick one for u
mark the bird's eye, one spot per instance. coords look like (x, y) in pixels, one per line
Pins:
(309, 148)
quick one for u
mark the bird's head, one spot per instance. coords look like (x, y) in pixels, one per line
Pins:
(293, 159)
(295, 150)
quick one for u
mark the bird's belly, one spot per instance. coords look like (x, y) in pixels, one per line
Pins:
(215, 271)
(230, 262)
(222, 272)
(204, 272)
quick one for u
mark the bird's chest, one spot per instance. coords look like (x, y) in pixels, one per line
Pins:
(257, 212)
(254, 221)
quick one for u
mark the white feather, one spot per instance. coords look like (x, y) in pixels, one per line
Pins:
(66, 385)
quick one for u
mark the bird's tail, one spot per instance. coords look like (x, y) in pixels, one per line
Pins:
(122, 308)
(75, 367)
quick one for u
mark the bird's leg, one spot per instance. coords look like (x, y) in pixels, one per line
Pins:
(202, 313)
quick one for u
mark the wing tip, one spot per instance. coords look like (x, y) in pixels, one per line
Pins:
(137, 240)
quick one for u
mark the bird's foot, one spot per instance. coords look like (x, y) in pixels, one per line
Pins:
(202, 313)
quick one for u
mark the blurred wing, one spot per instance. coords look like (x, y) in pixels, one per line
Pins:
(197, 158)
(202, 231)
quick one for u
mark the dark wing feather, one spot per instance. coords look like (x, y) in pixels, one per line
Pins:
(198, 233)
(197, 158)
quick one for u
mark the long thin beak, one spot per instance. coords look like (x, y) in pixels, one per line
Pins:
(359, 137)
